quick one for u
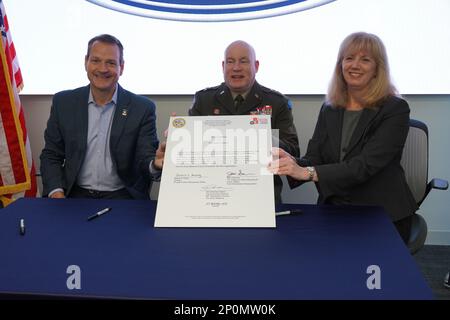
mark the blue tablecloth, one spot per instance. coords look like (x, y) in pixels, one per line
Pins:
(323, 253)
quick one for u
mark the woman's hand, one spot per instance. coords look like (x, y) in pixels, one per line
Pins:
(284, 164)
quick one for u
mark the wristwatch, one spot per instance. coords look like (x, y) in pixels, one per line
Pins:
(311, 172)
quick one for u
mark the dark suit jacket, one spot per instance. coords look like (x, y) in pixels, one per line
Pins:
(370, 173)
(133, 141)
(260, 100)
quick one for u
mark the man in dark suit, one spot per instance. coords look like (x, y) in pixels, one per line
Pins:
(241, 94)
(101, 139)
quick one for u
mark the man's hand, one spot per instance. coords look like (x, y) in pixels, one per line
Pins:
(57, 195)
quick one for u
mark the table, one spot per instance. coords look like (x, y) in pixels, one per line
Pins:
(323, 253)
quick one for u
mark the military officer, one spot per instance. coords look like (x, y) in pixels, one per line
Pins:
(241, 94)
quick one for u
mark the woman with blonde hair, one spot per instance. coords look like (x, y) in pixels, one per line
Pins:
(355, 151)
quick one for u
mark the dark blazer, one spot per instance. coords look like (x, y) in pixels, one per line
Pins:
(370, 173)
(260, 100)
(133, 141)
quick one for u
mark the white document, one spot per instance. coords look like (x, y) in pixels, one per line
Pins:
(215, 173)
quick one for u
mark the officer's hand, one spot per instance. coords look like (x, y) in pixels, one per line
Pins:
(166, 132)
(159, 157)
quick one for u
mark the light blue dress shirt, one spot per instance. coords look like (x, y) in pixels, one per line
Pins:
(98, 171)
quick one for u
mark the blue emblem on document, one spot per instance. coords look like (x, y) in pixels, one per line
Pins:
(209, 10)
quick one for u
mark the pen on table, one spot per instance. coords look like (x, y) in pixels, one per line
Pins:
(22, 226)
(287, 212)
(98, 214)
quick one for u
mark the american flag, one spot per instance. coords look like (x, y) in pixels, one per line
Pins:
(17, 172)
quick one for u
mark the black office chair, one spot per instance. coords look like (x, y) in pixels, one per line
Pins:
(447, 280)
(415, 164)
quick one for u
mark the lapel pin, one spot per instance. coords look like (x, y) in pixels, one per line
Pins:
(124, 112)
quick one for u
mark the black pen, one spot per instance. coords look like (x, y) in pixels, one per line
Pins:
(287, 212)
(22, 227)
(98, 214)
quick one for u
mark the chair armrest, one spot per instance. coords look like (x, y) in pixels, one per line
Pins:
(435, 183)
(440, 184)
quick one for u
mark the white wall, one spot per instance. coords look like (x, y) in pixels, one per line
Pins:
(434, 110)
(50, 38)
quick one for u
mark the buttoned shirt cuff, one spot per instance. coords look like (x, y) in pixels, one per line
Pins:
(154, 172)
(54, 191)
